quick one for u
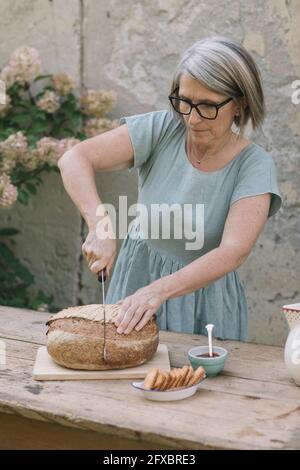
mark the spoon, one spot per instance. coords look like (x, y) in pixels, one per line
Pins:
(209, 328)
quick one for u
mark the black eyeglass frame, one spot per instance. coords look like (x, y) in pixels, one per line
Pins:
(194, 105)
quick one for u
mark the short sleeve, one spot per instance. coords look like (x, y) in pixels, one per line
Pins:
(146, 132)
(258, 175)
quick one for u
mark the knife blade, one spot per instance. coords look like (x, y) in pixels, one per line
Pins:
(102, 278)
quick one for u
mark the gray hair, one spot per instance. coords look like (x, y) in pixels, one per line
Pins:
(225, 67)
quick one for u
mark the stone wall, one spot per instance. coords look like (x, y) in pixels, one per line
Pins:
(132, 47)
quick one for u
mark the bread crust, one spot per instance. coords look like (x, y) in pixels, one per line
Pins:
(75, 339)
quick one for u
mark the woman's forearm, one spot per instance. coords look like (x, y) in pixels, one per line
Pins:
(200, 273)
(79, 181)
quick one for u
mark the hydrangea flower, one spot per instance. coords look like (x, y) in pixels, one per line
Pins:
(96, 103)
(8, 192)
(49, 102)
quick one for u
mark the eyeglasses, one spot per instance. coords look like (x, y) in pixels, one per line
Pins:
(185, 106)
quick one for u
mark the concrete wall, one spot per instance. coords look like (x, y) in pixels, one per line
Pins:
(132, 47)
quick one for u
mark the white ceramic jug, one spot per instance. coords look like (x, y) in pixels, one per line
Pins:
(292, 353)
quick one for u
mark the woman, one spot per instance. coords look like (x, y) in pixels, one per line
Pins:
(189, 154)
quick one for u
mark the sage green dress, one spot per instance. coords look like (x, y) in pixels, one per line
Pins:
(165, 176)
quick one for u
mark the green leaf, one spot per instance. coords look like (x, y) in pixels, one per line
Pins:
(20, 119)
(23, 273)
(23, 197)
(40, 299)
(39, 115)
(49, 87)
(15, 279)
(24, 104)
(47, 167)
(32, 139)
(80, 135)
(41, 93)
(8, 232)
(38, 128)
(6, 255)
(31, 188)
(14, 89)
(71, 98)
(18, 302)
(41, 77)
(7, 132)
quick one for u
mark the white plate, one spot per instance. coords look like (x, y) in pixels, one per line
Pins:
(167, 395)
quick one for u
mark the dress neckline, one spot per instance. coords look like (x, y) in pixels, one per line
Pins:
(188, 163)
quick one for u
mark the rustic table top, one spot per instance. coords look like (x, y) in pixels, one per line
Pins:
(252, 405)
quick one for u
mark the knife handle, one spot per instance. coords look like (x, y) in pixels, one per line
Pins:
(100, 275)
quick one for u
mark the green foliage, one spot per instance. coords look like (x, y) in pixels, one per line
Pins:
(57, 116)
(15, 279)
(35, 123)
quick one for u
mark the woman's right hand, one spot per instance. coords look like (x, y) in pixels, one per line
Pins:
(99, 253)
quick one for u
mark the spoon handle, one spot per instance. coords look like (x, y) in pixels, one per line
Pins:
(210, 345)
(209, 328)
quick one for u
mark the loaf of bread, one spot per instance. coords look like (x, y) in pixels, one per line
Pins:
(75, 339)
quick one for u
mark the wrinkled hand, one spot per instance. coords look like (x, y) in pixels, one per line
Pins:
(137, 309)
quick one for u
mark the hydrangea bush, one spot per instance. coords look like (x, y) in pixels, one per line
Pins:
(42, 117)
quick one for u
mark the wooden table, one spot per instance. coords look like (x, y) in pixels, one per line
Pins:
(252, 405)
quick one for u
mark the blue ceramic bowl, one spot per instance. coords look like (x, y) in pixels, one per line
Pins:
(212, 365)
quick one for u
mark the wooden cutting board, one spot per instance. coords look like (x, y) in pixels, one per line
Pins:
(46, 369)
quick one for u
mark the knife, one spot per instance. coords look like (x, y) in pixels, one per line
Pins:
(102, 278)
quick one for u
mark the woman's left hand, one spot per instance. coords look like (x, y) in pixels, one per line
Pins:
(138, 308)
